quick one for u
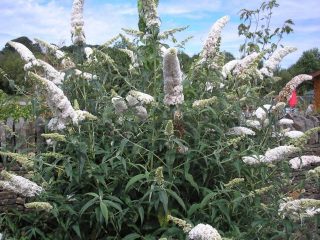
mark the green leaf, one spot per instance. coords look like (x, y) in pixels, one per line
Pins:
(104, 211)
(176, 197)
(134, 180)
(87, 205)
(132, 236)
(164, 199)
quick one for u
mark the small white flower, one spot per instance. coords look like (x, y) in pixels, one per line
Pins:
(204, 232)
(240, 131)
(293, 134)
(299, 162)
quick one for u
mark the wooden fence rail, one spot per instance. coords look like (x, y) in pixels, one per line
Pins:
(21, 135)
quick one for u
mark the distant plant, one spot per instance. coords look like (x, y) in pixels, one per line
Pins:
(258, 31)
(154, 150)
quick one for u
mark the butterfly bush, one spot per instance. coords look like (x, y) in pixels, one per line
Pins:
(85, 75)
(204, 102)
(293, 134)
(228, 67)
(39, 206)
(119, 104)
(211, 45)
(60, 105)
(49, 71)
(149, 13)
(204, 232)
(299, 209)
(19, 185)
(271, 64)
(299, 162)
(23, 51)
(240, 131)
(254, 159)
(279, 153)
(286, 92)
(314, 173)
(244, 64)
(253, 123)
(49, 48)
(77, 23)
(173, 88)
(285, 121)
(20, 158)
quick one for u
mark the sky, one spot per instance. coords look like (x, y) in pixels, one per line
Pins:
(49, 20)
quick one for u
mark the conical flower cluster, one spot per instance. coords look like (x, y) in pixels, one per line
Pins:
(19, 185)
(172, 74)
(25, 54)
(211, 46)
(286, 92)
(148, 11)
(77, 23)
(60, 105)
(271, 64)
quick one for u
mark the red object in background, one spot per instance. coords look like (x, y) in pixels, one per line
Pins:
(293, 101)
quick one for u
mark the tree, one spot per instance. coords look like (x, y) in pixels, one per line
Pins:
(309, 62)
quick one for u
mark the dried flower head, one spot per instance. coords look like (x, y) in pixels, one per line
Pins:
(143, 98)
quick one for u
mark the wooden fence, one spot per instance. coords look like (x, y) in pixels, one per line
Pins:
(21, 136)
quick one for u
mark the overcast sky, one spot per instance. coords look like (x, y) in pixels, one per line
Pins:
(49, 20)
